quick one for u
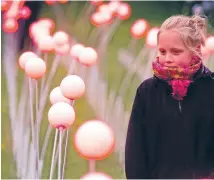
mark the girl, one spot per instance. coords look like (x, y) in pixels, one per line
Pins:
(171, 129)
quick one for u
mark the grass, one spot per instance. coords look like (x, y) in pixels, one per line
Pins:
(76, 165)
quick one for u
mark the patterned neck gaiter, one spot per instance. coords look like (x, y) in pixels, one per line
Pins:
(177, 77)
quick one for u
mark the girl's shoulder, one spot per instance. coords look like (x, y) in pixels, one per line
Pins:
(147, 85)
(207, 79)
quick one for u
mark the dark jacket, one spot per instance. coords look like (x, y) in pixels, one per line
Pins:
(168, 142)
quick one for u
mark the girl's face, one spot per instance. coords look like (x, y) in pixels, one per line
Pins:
(172, 51)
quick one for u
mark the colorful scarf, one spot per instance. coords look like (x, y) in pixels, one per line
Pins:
(179, 78)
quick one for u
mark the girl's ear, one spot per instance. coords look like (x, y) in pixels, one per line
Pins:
(198, 49)
(195, 59)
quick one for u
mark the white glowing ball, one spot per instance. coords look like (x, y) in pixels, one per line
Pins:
(39, 34)
(139, 27)
(76, 50)
(94, 140)
(61, 115)
(57, 96)
(152, 37)
(72, 87)
(60, 38)
(35, 68)
(95, 176)
(47, 23)
(39, 31)
(62, 49)
(124, 11)
(88, 56)
(33, 29)
(107, 16)
(25, 57)
(210, 44)
(46, 43)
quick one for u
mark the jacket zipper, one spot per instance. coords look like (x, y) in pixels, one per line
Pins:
(180, 107)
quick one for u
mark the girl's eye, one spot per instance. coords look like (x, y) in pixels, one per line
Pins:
(176, 52)
(162, 51)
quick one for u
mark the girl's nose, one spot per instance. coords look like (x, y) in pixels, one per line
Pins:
(168, 59)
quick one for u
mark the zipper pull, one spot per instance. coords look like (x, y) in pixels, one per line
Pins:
(179, 105)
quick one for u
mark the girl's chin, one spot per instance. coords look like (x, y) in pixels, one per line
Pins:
(171, 66)
(178, 66)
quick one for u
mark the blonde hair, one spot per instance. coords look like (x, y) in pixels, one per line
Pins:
(192, 30)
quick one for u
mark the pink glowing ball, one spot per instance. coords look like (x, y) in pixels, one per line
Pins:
(72, 87)
(113, 6)
(63, 1)
(35, 68)
(94, 140)
(124, 11)
(46, 43)
(138, 29)
(5, 5)
(96, 2)
(12, 13)
(60, 38)
(24, 12)
(95, 176)
(151, 38)
(105, 14)
(62, 49)
(103, 8)
(88, 56)
(107, 17)
(76, 50)
(10, 25)
(61, 115)
(97, 19)
(57, 96)
(50, 2)
(210, 44)
(25, 57)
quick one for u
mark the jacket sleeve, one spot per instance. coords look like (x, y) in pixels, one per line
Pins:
(135, 150)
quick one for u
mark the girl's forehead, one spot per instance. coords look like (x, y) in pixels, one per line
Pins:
(170, 38)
